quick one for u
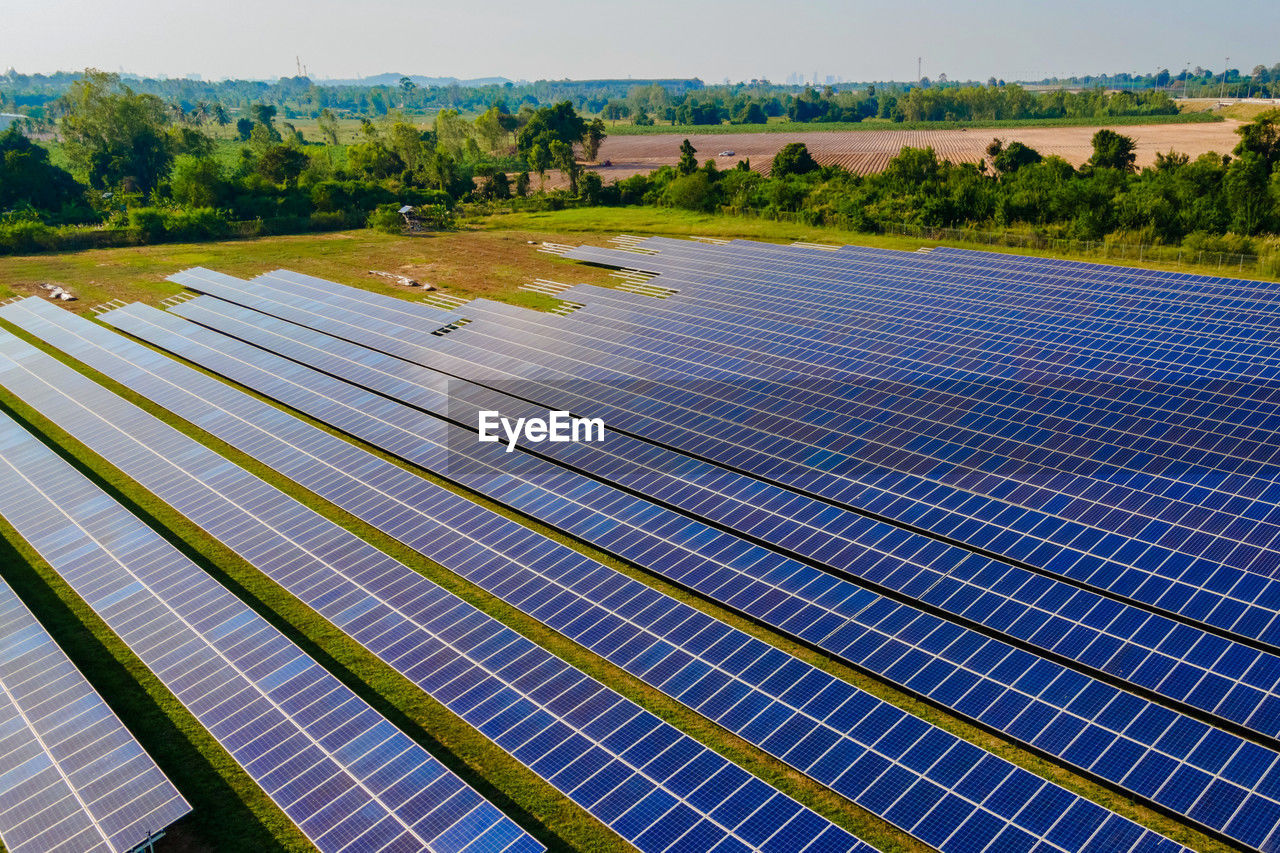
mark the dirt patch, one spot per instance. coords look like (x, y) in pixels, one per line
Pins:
(868, 151)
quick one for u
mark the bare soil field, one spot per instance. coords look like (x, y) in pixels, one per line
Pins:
(867, 151)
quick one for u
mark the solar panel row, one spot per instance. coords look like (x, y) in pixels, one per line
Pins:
(1241, 683)
(1235, 600)
(1226, 597)
(863, 748)
(453, 336)
(72, 777)
(347, 777)
(1115, 769)
(656, 787)
(1187, 397)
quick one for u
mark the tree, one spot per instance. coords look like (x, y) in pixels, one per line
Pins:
(451, 131)
(1261, 137)
(196, 181)
(793, 159)
(188, 140)
(219, 114)
(328, 125)
(688, 163)
(1112, 151)
(244, 128)
(263, 114)
(113, 136)
(1245, 189)
(563, 159)
(497, 186)
(408, 144)
(282, 164)
(1007, 160)
(549, 124)
(27, 177)
(522, 184)
(494, 127)
(539, 160)
(406, 87)
(591, 140)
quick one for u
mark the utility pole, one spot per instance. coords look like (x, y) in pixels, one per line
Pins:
(1223, 90)
(1186, 73)
(919, 73)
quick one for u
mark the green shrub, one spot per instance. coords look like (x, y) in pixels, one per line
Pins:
(26, 236)
(201, 223)
(146, 224)
(386, 218)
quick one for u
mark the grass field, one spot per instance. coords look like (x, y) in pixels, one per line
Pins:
(488, 257)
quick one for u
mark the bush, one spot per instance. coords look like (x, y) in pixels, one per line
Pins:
(202, 223)
(146, 224)
(26, 236)
(387, 219)
(691, 192)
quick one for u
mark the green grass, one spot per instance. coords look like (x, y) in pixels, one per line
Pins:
(882, 124)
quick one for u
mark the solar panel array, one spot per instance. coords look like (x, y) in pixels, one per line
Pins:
(72, 777)
(1041, 494)
(841, 738)
(1089, 724)
(342, 773)
(1168, 495)
(1233, 682)
(656, 787)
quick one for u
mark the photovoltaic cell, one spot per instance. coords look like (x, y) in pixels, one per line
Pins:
(72, 777)
(656, 787)
(349, 779)
(719, 671)
(1015, 667)
(469, 327)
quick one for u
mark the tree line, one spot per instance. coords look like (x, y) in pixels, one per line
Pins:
(136, 168)
(41, 98)
(1230, 200)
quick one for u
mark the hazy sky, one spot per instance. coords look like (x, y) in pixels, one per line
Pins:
(711, 39)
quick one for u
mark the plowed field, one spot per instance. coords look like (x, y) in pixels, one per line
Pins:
(867, 151)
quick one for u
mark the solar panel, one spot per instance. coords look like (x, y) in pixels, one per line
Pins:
(653, 785)
(1235, 683)
(72, 777)
(815, 616)
(405, 505)
(350, 322)
(344, 775)
(1171, 326)
(1214, 594)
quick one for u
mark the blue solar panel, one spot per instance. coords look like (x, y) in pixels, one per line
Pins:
(345, 776)
(716, 294)
(347, 322)
(1109, 637)
(72, 777)
(819, 607)
(598, 748)
(702, 662)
